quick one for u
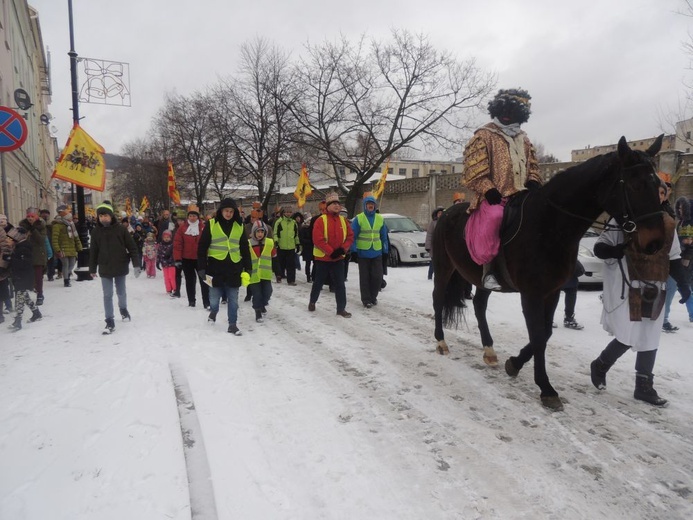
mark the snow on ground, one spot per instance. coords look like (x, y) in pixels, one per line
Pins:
(310, 415)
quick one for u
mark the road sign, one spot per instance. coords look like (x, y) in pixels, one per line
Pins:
(13, 130)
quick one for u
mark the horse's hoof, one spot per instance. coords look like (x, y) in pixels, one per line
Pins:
(510, 368)
(490, 357)
(553, 403)
(442, 348)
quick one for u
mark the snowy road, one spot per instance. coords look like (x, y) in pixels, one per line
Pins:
(310, 415)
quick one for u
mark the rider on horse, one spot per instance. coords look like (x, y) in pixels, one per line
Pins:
(499, 161)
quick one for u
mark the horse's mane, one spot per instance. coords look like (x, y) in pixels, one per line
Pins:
(581, 175)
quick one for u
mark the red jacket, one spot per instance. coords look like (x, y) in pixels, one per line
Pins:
(335, 236)
(185, 246)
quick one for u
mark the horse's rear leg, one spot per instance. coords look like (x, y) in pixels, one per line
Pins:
(480, 305)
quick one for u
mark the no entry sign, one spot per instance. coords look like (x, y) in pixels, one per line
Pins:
(13, 130)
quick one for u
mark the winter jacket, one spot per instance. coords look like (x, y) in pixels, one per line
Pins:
(371, 217)
(37, 237)
(5, 255)
(185, 246)
(21, 266)
(163, 225)
(65, 239)
(149, 250)
(286, 233)
(305, 238)
(164, 254)
(224, 272)
(335, 236)
(112, 249)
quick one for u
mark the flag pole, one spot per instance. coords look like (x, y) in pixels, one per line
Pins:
(82, 256)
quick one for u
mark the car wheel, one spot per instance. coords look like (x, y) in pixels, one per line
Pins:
(393, 257)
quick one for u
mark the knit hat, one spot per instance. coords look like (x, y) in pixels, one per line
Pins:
(257, 225)
(32, 211)
(62, 207)
(194, 210)
(105, 208)
(458, 197)
(166, 232)
(228, 203)
(17, 234)
(331, 198)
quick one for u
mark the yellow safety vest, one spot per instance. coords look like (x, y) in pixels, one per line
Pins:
(369, 236)
(223, 245)
(262, 265)
(317, 252)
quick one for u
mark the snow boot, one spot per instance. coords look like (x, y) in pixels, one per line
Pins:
(668, 327)
(258, 315)
(570, 323)
(598, 370)
(234, 330)
(125, 314)
(39, 299)
(212, 318)
(66, 282)
(644, 391)
(35, 316)
(110, 326)
(16, 324)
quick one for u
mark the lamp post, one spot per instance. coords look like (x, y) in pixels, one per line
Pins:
(82, 270)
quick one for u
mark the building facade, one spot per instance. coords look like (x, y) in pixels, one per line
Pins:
(26, 171)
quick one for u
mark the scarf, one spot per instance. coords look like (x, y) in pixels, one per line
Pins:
(512, 129)
(193, 228)
(71, 229)
(516, 149)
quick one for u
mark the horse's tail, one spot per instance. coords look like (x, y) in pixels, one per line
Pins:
(453, 302)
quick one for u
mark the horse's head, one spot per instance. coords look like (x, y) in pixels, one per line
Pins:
(633, 199)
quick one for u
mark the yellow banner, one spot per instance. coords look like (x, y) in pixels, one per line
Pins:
(380, 186)
(303, 189)
(172, 191)
(128, 207)
(81, 161)
(144, 205)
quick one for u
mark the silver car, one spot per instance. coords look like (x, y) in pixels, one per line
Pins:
(406, 240)
(593, 265)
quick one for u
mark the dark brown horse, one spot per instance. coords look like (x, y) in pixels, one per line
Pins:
(541, 255)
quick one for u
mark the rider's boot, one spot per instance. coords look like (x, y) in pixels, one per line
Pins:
(488, 279)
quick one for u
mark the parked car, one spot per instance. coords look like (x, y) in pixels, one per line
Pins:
(406, 240)
(593, 265)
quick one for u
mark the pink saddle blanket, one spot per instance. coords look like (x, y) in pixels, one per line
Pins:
(482, 232)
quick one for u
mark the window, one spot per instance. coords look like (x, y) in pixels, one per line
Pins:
(342, 171)
(443, 172)
(403, 171)
(390, 170)
(415, 172)
(688, 134)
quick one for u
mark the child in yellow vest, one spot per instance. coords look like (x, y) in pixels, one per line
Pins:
(262, 251)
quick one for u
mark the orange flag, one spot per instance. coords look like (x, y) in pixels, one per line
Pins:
(172, 191)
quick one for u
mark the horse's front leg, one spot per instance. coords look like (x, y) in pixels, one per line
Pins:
(536, 311)
(480, 305)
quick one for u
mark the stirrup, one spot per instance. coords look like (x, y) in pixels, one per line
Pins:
(491, 283)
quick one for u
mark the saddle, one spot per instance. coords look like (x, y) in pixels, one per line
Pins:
(512, 221)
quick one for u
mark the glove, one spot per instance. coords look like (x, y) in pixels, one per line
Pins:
(245, 279)
(493, 196)
(201, 273)
(532, 185)
(685, 291)
(61, 254)
(158, 266)
(337, 252)
(138, 272)
(178, 264)
(605, 251)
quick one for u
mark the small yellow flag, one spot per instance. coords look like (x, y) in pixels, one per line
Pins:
(81, 161)
(303, 189)
(380, 186)
(128, 207)
(144, 205)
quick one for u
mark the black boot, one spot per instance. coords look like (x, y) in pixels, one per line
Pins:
(644, 391)
(212, 317)
(39, 299)
(125, 314)
(110, 326)
(258, 315)
(35, 316)
(16, 324)
(66, 282)
(598, 370)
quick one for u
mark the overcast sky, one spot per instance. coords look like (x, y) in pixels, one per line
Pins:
(596, 69)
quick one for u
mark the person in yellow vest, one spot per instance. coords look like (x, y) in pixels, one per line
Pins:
(332, 238)
(223, 258)
(262, 251)
(370, 244)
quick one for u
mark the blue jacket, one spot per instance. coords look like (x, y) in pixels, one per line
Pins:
(370, 215)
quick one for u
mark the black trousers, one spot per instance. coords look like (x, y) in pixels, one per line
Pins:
(370, 278)
(189, 269)
(287, 263)
(644, 361)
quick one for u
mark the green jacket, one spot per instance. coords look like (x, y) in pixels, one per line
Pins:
(286, 233)
(64, 238)
(37, 237)
(111, 250)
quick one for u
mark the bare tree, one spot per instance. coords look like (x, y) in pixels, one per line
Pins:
(141, 172)
(190, 131)
(259, 122)
(361, 103)
(542, 156)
